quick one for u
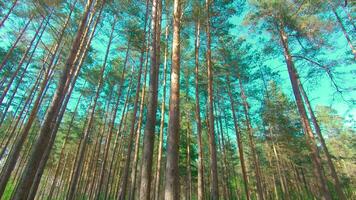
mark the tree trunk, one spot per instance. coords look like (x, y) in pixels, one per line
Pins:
(45, 132)
(172, 170)
(338, 188)
(318, 173)
(251, 141)
(14, 75)
(9, 52)
(200, 186)
(138, 134)
(148, 140)
(8, 13)
(161, 129)
(238, 138)
(214, 186)
(347, 37)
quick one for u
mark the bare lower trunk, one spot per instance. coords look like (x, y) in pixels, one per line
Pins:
(172, 173)
(148, 140)
(251, 142)
(239, 139)
(338, 188)
(200, 186)
(45, 132)
(160, 143)
(214, 185)
(318, 172)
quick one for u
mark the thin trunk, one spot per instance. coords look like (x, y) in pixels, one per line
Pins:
(45, 132)
(14, 75)
(318, 172)
(161, 129)
(347, 37)
(8, 13)
(239, 139)
(200, 186)
(338, 188)
(9, 52)
(138, 135)
(172, 170)
(251, 141)
(148, 140)
(214, 186)
(85, 137)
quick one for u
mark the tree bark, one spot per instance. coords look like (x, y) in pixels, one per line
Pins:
(214, 186)
(238, 138)
(148, 140)
(338, 188)
(200, 186)
(318, 172)
(45, 133)
(172, 170)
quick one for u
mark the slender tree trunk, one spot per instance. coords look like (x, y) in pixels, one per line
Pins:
(124, 179)
(172, 170)
(8, 13)
(148, 140)
(14, 75)
(318, 172)
(239, 139)
(83, 145)
(14, 154)
(45, 133)
(9, 52)
(214, 186)
(347, 37)
(138, 135)
(338, 188)
(200, 186)
(161, 130)
(251, 141)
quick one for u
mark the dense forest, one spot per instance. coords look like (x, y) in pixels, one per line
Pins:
(177, 99)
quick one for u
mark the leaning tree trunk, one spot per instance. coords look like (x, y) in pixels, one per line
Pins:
(45, 132)
(214, 186)
(172, 169)
(318, 171)
(8, 13)
(347, 37)
(9, 52)
(251, 141)
(14, 75)
(338, 188)
(238, 138)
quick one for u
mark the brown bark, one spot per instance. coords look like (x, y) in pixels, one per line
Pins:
(14, 154)
(172, 173)
(347, 37)
(161, 129)
(238, 138)
(8, 13)
(9, 52)
(138, 134)
(251, 141)
(148, 140)
(83, 144)
(337, 184)
(14, 75)
(45, 132)
(318, 172)
(214, 185)
(200, 186)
